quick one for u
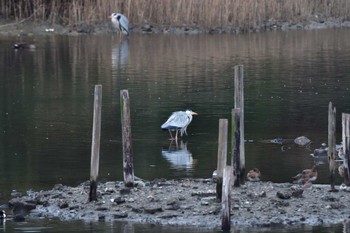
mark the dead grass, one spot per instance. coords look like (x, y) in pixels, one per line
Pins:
(207, 13)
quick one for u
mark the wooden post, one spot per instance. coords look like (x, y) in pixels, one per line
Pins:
(128, 166)
(346, 146)
(95, 147)
(239, 103)
(222, 156)
(236, 147)
(226, 199)
(331, 144)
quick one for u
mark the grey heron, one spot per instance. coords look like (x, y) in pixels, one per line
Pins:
(178, 121)
(121, 22)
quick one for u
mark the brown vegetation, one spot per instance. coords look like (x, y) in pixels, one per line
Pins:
(208, 13)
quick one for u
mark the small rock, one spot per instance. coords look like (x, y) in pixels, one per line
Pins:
(337, 205)
(125, 191)
(58, 187)
(75, 207)
(147, 28)
(137, 210)
(283, 195)
(121, 214)
(297, 191)
(18, 218)
(153, 210)
(15, 193)
(279, 203)
(109, 190)
(204, 203)
(329, 198)
(174, 206)
(140, 183)
(118, 200)
(167, 216)
(101, 208)
(172, 201)
(63, 204)
(21, 207)
(204, 193)
(101, 217)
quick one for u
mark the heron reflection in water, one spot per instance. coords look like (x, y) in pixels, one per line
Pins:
(120, 54)
(178, 121)
(179, 157)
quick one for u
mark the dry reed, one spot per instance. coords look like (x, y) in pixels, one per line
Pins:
(243, 14)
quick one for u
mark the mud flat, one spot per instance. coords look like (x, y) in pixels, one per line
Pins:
(188, 202)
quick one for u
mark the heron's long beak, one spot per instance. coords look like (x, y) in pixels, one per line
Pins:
(194, 113)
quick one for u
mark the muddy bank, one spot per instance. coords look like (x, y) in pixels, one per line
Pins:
(39, 28)
(189, 202)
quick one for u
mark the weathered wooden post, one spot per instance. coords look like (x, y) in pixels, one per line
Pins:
(331, 144)
(222, 156)
(95, 147)
(236, 147)
(226, 198)
(239, 103)
(128, 166)
(346, 146)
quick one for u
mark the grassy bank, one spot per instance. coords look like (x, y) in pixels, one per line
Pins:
(244, 14)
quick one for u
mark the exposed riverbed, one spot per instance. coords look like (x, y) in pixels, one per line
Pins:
(190, 202)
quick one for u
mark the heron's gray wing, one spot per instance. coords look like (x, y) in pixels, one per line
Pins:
(124, 23)
(177, 120)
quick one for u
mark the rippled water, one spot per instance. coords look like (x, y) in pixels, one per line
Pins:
(46, 102)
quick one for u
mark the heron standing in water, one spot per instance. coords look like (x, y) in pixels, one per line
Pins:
(121, 22)
(178, 121)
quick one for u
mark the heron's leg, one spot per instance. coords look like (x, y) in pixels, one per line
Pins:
(176, 135)
(171, 135)
(177, 146)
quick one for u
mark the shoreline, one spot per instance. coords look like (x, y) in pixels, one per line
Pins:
(29, 28)
(188, 202)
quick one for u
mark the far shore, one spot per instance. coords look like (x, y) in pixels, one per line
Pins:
(29, 28)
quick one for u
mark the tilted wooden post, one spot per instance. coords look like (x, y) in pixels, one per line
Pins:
(239, 103)
(236, 147)
(346, 146)
(226, 198)
(331, 144)
(222, 156)
(95, 147)
(128, 166)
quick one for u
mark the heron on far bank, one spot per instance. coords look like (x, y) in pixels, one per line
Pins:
(121, 22)
(178, 121)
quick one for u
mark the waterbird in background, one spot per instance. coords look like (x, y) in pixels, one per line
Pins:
(2, 214)
(121, 22)
(23, 46)
(306, 176)
(178, 121)
(254, 175)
